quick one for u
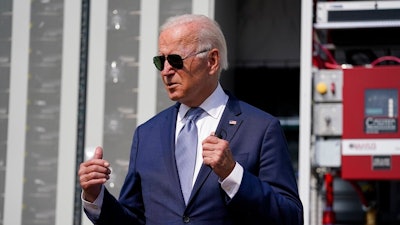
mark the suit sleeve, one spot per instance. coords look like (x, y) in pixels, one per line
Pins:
(268, 192)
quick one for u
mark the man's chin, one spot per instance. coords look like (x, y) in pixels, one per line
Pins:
(173, 96)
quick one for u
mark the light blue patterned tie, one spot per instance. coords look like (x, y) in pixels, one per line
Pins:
(185, 151)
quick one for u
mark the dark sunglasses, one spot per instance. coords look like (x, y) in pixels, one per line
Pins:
(174, 60)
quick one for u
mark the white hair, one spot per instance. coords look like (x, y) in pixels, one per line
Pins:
(209, 33)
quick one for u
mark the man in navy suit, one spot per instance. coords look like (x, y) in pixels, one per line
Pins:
(243, 174)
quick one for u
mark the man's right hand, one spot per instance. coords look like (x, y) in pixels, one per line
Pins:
(93, 174)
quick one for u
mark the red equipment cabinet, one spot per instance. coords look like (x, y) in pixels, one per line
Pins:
(371, 136)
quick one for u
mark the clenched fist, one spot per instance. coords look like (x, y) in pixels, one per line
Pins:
(93, 173)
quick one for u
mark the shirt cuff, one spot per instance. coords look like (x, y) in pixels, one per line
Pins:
(94, 208)
(232, 183)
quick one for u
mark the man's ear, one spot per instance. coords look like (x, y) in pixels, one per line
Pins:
(214, 61)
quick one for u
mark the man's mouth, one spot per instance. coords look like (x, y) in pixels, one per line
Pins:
(171, 84)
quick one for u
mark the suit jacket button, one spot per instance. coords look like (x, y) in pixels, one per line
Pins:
(186, 219)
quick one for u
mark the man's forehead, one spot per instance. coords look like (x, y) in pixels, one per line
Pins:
(177, 40)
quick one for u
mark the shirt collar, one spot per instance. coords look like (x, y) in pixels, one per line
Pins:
(214, 105)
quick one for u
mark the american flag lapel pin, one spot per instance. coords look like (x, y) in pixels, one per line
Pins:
(232, 122)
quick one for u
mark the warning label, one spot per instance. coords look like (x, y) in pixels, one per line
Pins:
(377, 125)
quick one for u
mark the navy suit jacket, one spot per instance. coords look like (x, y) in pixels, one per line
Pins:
(151, 192)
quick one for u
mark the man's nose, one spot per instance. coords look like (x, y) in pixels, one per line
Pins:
(167, 69)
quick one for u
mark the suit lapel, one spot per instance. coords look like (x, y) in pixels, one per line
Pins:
(168, 143)
(230, 120)
(227, 128)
